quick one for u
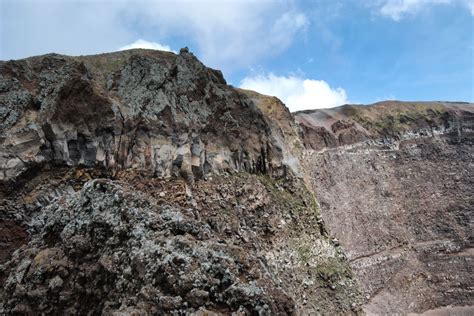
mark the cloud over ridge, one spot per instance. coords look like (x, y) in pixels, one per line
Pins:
(227, 34)
(296, 92)
(140, 43)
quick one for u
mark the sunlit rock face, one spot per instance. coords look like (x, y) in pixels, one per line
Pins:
(152, 110)
(139, 182)
(394, 181)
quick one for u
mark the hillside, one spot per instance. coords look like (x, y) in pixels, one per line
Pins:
(394, 180)
(139, 182)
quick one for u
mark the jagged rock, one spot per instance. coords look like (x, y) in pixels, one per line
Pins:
(106, 243)
(116, 247)
(139, 182)
(158, 111)
(382, 123)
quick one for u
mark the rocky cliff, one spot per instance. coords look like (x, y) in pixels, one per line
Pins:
(139, 182)
(166, 113)
(395, 183)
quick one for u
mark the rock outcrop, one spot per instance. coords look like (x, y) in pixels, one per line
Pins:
(140, 183)
(395, 185)
(244, 244)
(152, 110)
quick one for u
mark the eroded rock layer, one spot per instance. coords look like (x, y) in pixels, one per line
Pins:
(395, 183)
(154, 110)
(242, 244)
(140, 183)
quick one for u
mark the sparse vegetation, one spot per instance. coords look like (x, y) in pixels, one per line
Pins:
(304, 253)
(395, 117)
(333, 270)
(297, 200)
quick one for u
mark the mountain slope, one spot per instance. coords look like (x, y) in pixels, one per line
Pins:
(394, 181)
(153, 110)
(140, 182)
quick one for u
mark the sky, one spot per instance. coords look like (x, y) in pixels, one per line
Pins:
(310, 54)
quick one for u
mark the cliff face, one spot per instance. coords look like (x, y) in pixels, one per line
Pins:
(394, 181)
(166, 113)
(139, 182)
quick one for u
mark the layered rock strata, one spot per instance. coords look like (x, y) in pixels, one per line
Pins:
(139, 182)
(395, 185)
(152, 110)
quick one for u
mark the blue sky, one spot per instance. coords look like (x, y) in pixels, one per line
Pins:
(311, 54)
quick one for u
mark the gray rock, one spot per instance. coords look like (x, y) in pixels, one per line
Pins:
(166, 113)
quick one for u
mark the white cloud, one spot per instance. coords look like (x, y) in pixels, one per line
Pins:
(398, 9)
(225, 34)
(470, 5)
(65, 27)
(148, 45)
(296, 92)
